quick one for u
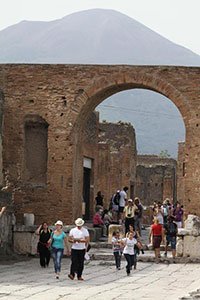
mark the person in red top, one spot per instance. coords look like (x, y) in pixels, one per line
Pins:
(157, 231)
(98, 222)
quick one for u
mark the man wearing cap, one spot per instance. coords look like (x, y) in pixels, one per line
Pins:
(79, 237)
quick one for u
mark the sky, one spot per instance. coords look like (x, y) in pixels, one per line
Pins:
(177, 20)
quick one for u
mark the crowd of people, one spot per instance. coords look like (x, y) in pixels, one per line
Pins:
(167, 219)
(121, 211)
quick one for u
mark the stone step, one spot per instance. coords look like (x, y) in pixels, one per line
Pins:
(106, 255)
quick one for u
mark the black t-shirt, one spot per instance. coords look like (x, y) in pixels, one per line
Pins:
(99, 200)
(171, 229)
(44, 236)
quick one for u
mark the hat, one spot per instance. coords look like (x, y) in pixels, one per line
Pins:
(59, 223)
(79, 222)
(130, 200)
(118, 191)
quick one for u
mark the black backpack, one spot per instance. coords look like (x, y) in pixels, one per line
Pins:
(171, 229)
(116, 198)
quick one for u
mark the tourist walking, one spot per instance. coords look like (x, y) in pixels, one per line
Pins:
(129, 213)
(79, 237)
(138, 246)
(138, 215)
(129, 251)
(178, 215)
(156, 231)
(43, 247)
(117, 250)
(122, 202)
(170, 229)
(57, 239)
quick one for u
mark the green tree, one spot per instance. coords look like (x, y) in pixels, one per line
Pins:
(164, 154)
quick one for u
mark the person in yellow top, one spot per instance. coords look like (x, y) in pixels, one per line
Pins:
(129, 214)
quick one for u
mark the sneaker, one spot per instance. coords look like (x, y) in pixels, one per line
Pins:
(165, 254)
(57, 276)
(80, 278)
(71, 276)
(118, 268)
(157, 261)
(174, 260)
(128, 274)
(159, 256)
(142, 251)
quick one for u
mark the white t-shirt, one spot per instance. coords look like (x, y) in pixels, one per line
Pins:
(129, 248)
(123, 196)
(78, 234)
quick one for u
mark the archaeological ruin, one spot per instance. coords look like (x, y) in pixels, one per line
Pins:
(44, 110)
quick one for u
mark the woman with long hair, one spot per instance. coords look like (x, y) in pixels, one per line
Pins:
(43, 247)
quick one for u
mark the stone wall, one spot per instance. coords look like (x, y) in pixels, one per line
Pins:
(156, 179)
(64, 96)
(181, 171)
(117, 158)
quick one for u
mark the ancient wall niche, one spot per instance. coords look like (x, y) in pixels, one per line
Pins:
(35, 150)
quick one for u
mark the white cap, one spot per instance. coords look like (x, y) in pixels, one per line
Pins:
(130, 200)
(79, 222)
(59, 223)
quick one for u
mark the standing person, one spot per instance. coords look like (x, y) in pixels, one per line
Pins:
(166, 211)
(159, 214)
(57, 246)
(116, 244)
(2, 210)
(170, 229)
(122, 202)
(115, 204)
(129, 251)
(128, 215)
(178, 215)
(43, 247)
(138, 215)
(157, 231)
(99, 200)
(79, 237)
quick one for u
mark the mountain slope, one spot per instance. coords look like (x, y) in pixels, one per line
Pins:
(101, 36)
(95, 36)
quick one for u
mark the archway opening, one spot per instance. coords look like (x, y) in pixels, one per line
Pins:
(118, 109)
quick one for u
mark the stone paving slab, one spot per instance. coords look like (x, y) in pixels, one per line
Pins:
(26, 280)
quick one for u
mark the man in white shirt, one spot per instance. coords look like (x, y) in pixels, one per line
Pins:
(122, 202)
(79, 237)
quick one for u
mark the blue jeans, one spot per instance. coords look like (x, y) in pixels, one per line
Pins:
(117, 256)
(57, 255)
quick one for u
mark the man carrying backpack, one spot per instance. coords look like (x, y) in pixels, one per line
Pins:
(170, 229)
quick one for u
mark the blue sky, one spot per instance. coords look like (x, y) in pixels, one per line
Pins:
(177, 20)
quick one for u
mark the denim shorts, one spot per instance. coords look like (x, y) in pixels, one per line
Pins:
(171, 240)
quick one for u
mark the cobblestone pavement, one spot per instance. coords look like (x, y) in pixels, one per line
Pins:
(26, 280)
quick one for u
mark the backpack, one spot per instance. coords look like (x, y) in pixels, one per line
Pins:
(171, 229)
(116, 198)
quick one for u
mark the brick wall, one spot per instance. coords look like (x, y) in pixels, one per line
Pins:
(181, 171)
(64, 96)
(156, 179)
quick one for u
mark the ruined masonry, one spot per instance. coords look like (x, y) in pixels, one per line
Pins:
(45, 110)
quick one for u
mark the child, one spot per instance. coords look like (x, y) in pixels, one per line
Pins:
(116, 243)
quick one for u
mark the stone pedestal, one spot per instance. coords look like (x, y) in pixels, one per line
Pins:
(188, 240)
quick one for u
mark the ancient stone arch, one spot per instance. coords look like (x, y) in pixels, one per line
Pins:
(65, 95)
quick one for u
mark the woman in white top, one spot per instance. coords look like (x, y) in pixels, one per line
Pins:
(129, 251)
